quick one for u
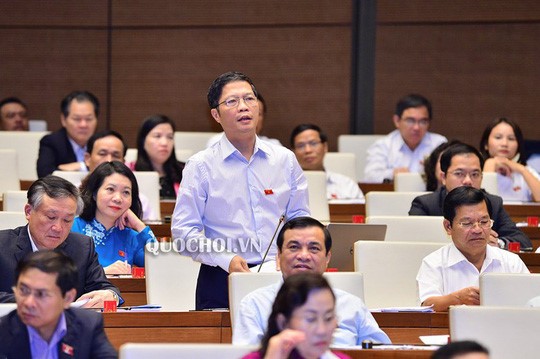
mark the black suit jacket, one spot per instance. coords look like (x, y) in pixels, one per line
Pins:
(15, 244)
(84, 335)
(431, 205)
(54, 150)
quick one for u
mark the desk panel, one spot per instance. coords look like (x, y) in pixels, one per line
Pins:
(388, 354)
(133, 290)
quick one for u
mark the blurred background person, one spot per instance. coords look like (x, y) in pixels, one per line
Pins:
(502, 146)
(461, 350)
(111, 217)
(155, 152)
(302, 321)
(432, 166)
(13, 115)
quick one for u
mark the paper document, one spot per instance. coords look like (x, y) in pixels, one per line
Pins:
(424, 309)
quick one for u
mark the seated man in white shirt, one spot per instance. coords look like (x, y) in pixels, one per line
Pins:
(404, 149)
(304, 246)
(450, 275)
(310, 145)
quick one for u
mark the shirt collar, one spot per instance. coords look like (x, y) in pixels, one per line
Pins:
(455, 256)
(34, 247)
(58, 334)
(78, 150)
(227, 148)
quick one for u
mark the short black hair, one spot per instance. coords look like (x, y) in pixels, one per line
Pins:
(12, 100)
(304, 127)
(79, 96)
(459, 149)
(453, 349)
(463, 196)
(52, 262)
(413, 101)
(214, 92)
(102, 134)
(303, 222)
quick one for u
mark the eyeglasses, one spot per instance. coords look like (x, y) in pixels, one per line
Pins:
(483, 224)
(411, 122)
(39, 294)
(302, 145)
(231, 102)
(474, 175)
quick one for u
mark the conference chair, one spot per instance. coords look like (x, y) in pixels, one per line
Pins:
(506, 332)
(37, 125)
(318, 204)
(241, 284)
(389, 270)
(181, 155)
(341, 162)
(10, 220)
(9, 180)
(171, 278)
(508, 289)
(489, 182)
(194, 141)
(6, 308)
(357, 144)
(75, 177)
(412, 228)
(14, 201)
(174, 351)
(26, 144)
(409, 182)
(148, 182)
(390, 203)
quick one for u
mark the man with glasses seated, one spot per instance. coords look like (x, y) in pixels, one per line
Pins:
(461, 165)
(404, 149)
(451, 274)
(309, 144)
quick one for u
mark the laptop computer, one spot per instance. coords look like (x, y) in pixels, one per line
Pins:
(344, 235)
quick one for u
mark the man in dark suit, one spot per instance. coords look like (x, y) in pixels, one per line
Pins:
(43, 322)
(64, 149)
(461, 165)
(52, 205)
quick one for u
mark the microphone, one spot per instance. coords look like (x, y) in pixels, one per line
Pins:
(281, 219)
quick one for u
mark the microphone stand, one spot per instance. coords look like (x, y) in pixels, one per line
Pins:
(281, 219)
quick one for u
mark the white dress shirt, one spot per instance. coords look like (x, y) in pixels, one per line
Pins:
(514, 187)
(228, 205)
(339, 186)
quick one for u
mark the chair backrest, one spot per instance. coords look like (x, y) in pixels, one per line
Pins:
(14, 201)
(390, 270)
(318, 204)
(9, 180)
(174, 351)
(489, 182)
(412, 228)
(241, 284)
(37, 125)
(505, 332)
(409, 182)
(74, 177)
(194, 141)
(26, 144)
(6, 308)
(131, 155)
(380, 203)
(341, 162)
(357, 144)
(9, 220)
(171, 278)
(181, 155)
(508, 289)
(148, 182)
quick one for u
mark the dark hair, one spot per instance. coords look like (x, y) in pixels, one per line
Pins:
(517, 132)
(453, 349)
(293, 293)
(458, 149)
(102, 134)
(303, 222)
(94, 181)
(432, 182)
(214, 92)
(263, 101)
(12, 100)
(463, 196)
(413, 101)
(304, 127)
(54, 187)
(52, 262)
(79, 96)
(172, 167)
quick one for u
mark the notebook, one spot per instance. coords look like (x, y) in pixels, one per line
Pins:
(344, 235)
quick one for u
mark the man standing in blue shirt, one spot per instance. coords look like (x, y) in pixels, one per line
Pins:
(235, 193)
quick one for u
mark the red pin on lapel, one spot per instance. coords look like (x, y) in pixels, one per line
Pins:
(67, 349)
(268, 191)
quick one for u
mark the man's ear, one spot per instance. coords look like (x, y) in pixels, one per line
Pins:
(395, 119)
(69, 297)
(281, 321)
(447, 226)
(63, 120)
(328, 256)
(215, 114)
(27, 209)
(443, 178)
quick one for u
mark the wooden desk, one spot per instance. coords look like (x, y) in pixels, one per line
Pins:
(388, 354)
(520, 212)
(133, 290)
(532, 261)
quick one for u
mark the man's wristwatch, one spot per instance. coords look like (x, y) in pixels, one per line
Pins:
(115, 296)
(501, 243)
